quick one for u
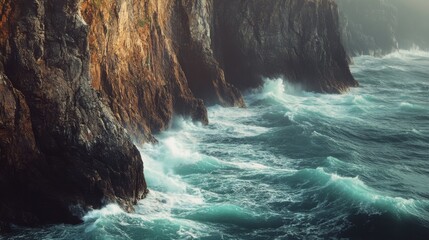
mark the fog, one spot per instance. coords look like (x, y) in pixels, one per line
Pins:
(381, 26)
(416, 4)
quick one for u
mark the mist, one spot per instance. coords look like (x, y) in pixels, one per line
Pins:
(379, 27)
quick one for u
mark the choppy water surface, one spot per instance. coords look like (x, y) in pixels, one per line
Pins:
(293, 165)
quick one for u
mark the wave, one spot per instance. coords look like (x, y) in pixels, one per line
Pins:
(150, 220)
(268, 166)
(407, 54)
(233, 122)
(236, 215)
(353, 192)
(209, 167)
(401, 62)
(305, 107)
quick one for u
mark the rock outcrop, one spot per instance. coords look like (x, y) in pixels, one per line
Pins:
(74, 74)
(154, 58)
(134, 64)
(297, 39)
(61, 151)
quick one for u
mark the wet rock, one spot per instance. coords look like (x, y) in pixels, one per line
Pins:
(299, 40)
(60, 146)
(75, 74)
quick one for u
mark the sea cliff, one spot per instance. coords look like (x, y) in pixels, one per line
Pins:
(81, 80)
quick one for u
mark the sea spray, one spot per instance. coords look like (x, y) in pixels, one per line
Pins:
(293, 165)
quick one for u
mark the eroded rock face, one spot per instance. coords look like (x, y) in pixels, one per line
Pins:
(152, 59)
(61, 150)
(293, 38)
(76, 72)
(196, 51)
(135, 66)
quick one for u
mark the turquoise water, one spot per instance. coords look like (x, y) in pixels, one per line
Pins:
(293, 165)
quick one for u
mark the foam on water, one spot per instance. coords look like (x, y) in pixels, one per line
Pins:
(356, 191)
(298, 103)
(292, 165)
(407, 55)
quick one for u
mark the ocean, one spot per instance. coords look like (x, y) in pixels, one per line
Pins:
(292, 165)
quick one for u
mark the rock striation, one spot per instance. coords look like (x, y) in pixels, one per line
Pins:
(80, 78)
(296, 39)
(61, 150)
(151, 59)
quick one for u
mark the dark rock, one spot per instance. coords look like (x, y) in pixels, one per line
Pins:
(70, 83)
(196, 54)
(143, 83)
(5, 228)
(60, 146)
(269, 38)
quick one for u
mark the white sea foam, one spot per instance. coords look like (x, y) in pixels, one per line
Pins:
(249, 165)
(299, 105)
(368, 197)
(233, 122)
(162, 159)
(416, 131)
(111, 209)
(407, 54)
(159, 205)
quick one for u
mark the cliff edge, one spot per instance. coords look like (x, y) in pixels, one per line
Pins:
(61, 151)
(299, 40)
(80, 78)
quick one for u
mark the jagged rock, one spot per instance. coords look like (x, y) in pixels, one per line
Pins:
(293, 38)
(196, 53)
(134, 64)
(151, 59)
(76, 72)
(61, 150)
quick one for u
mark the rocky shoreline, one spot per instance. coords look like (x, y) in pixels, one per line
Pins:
(81, 80)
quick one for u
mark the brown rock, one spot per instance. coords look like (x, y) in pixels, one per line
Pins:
(75, 73)
(134, 64)
(62, 152)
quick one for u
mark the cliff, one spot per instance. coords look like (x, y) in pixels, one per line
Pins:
(75, 74)
(134, 64)
(296, 39)
(151, 59)
(61, 151)
(378, 27)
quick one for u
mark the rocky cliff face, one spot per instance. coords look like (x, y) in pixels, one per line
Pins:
(297, 39)
(135, 66)
(61, 150)
(74, 74)
(378, 27)
(151, 59)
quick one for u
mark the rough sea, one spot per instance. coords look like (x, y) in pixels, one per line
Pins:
(292, 165)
